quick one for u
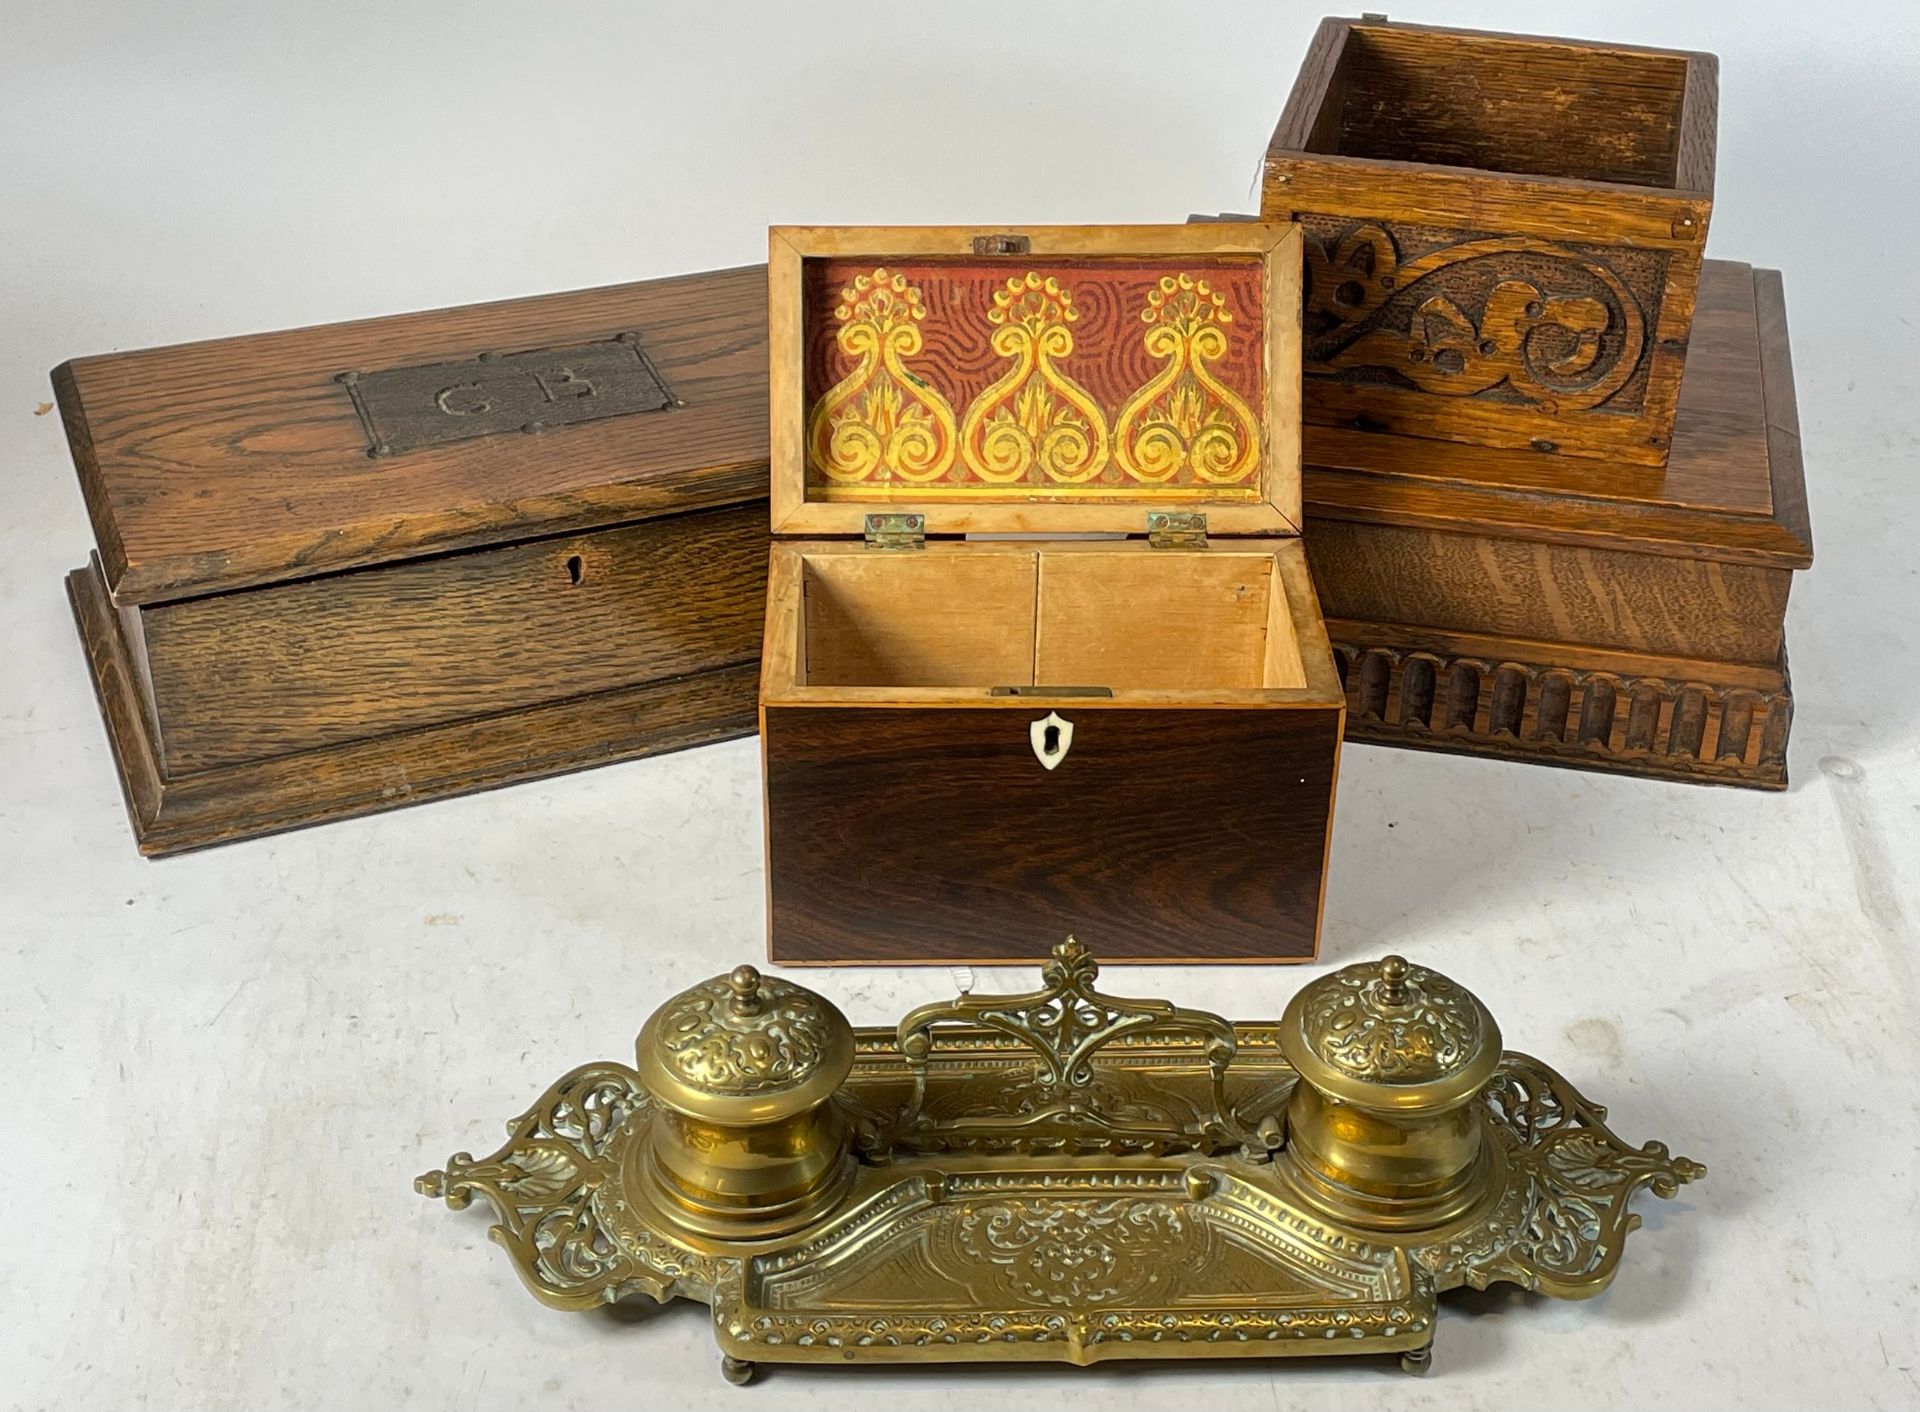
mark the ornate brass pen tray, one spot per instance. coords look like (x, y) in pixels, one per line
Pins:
(1064, 1175)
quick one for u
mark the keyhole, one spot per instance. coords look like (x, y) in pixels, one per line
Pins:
(1050, 737)
(574, 570)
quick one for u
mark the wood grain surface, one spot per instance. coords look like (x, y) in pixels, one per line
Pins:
(920, 836)
(1733, 492)
(1553, 592)
(255, 674)
(918, 620)
(1086, 614)
(214, 466)
(171, 814)
(1504, 234)
(1503, 103)
(1545, 77)
(1637, 633)
(944, 624)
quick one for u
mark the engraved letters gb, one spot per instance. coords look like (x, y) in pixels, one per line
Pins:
(430, 404)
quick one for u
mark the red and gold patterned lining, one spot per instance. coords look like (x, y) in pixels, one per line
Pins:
(1064, 379)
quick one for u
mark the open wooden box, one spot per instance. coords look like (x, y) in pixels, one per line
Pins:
(1504, 234)
(972, 746)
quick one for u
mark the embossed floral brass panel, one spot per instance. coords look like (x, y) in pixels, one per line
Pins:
(1071, 1176)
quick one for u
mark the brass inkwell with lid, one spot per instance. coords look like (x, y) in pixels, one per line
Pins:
(1064, 1174)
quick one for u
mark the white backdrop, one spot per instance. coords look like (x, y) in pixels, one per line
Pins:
(223, 1070)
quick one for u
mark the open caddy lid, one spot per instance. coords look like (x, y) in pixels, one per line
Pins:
(1051, 379)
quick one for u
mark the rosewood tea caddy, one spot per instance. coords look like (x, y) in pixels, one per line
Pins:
(969, 744)
(347, 568)
(1064, 1175)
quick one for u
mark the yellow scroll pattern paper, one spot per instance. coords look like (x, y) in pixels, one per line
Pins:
(1164, 422)
(1034, 415)
(1185, 418)
(880, 417)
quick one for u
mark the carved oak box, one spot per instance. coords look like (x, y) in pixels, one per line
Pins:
(1504, 234)
(970, 743)
(1605, 615)
(347, 568)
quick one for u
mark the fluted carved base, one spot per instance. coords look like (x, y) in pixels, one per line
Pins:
(1677, 721)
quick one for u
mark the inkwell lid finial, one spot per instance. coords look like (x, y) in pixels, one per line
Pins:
(744, 1048)
(1389, 1034)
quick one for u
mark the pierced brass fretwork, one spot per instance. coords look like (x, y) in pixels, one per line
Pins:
(1067, 1175)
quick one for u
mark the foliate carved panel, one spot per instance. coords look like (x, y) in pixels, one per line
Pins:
(1541, 326)
(1673, 727)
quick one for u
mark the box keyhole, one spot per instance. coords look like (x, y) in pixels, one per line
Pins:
(575, 570)
(1051, 737)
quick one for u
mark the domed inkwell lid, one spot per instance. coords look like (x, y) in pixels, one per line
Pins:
(1388, 1035)
(743, 1049)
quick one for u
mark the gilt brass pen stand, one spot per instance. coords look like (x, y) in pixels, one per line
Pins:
(1064, 1175)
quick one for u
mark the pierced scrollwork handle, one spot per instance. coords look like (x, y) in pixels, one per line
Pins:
(1065, 1026)
(1562, 1225)
(541, 1186)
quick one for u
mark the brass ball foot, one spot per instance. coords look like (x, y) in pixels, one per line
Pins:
(1417, 1360)
(737, 1371)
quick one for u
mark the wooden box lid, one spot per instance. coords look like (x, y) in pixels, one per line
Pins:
(1733, 491)
(247, 461)
(1052, 379)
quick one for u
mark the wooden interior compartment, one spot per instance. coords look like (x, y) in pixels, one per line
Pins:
(1113, 616)
(917, 619)
(905, 695)
(1504, 104)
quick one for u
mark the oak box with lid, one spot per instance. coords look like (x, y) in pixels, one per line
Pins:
(346, 568)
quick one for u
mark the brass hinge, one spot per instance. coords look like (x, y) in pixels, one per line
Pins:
(1176, 529)
(896, 531)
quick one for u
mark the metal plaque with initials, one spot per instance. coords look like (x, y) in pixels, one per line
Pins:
(431, 404)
